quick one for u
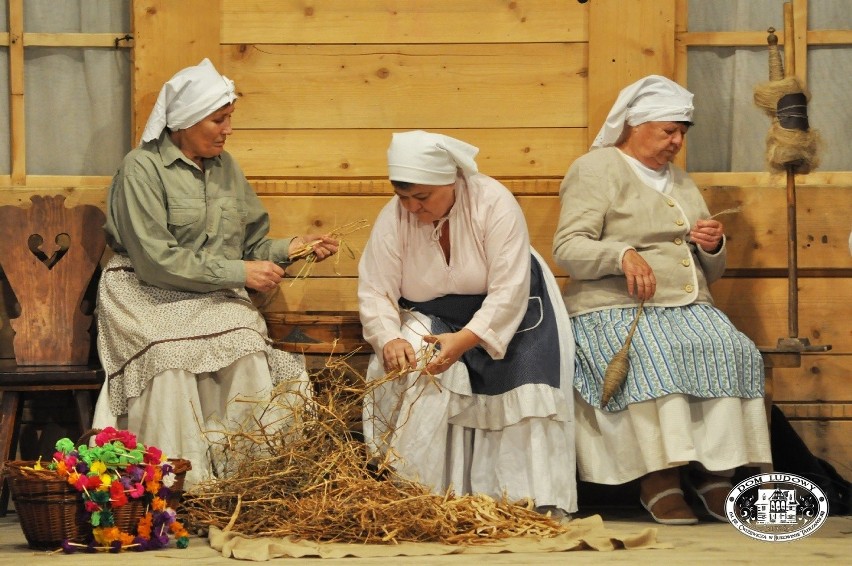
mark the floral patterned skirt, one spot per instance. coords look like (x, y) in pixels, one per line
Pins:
(693, 350)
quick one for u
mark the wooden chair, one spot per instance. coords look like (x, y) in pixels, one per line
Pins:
(49, 254)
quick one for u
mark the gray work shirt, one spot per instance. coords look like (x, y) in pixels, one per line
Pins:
(183, 228)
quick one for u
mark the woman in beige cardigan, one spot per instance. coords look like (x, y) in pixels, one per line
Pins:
(634, 228)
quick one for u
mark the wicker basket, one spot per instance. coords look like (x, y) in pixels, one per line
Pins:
(51, 511)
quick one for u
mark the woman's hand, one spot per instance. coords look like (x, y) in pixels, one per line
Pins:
(452, 346)
(398, 355)
(641, 282)
(322, 246)
(707, 234)
(263, 276)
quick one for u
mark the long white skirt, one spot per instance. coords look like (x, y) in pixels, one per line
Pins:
(720, 434)
(187, 415)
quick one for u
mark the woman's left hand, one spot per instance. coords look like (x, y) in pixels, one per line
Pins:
(708, 234)
(322, 246)
(452, 346)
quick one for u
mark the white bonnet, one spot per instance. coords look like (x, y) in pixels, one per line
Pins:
(424, 158)
(188, 97)
(651, 99)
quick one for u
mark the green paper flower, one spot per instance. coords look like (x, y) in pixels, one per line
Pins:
(64, 445)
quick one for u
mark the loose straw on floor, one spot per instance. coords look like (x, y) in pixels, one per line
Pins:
(311, 480)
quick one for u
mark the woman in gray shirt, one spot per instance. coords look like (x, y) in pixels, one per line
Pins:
(177, 334)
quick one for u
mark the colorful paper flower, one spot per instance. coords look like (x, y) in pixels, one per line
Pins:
(114, 472)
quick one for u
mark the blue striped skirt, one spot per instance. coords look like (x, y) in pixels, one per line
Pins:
(694, 350)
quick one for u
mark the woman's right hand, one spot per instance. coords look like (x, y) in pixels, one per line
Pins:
(641, 282)
(263, 276)
(398, 355)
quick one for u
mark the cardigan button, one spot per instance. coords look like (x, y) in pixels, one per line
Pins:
(679, 221)
(678, 241)
(670, 202)
(688, 288)
(684, 262)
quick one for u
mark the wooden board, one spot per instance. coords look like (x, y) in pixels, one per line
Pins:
(758, 307)
(401, 21)
(822, 378)
(409, 86)
(757, 235)
(358, 153)
(168, 37)
(627, 40)
(757, 238)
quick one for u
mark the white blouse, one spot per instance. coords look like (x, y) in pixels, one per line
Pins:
(489, 254)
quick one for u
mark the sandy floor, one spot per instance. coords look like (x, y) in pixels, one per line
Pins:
(706, 543)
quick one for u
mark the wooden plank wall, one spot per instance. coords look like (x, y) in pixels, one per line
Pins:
(324, 84)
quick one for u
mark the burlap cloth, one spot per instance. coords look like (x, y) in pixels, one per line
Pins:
(583, 534)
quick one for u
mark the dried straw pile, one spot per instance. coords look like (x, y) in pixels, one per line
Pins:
(313, 483)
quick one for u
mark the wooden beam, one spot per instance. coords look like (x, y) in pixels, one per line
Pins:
(17, 128)
(824, 411)
(800, 30)
(534, 185)
(727, 38)
(765, 179)
(112, 40)
(829, 37)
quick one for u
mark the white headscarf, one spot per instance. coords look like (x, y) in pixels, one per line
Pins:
(424, 158)
(650, 99)
(188, 97)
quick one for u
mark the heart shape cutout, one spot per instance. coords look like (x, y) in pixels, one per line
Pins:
(35, 241)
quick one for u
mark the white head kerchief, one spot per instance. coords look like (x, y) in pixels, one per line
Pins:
(424, 158)
(188, 97)
(650, 99)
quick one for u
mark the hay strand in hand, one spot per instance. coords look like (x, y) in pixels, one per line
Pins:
(733, 210)
(306, 251)
(616, 371)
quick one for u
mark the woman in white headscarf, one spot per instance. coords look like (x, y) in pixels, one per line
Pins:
(449, 264)
(177, 334)
(633, 227)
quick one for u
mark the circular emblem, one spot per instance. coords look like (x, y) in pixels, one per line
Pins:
(776, 507)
